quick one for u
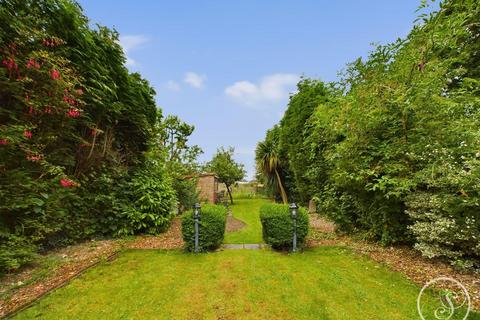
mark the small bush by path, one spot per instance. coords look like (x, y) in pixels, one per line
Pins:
(212, 223)
(277, 225)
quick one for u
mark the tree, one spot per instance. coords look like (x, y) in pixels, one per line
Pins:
(227, 170)
(311, 93)
(174, 134)
(180, 158)
(266, 156)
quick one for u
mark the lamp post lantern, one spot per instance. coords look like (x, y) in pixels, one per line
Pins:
(196, 218)
(293, 211)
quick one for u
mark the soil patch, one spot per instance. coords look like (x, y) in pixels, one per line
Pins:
(233, 224)
(171, 239)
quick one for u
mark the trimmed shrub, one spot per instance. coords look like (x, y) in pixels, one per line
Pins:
(15, 251)
(277, 225)
(212, 223)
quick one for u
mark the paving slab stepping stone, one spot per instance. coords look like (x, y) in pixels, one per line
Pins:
(251, 246)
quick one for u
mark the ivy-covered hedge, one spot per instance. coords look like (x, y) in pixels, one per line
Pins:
(213, 219)
(277, 226)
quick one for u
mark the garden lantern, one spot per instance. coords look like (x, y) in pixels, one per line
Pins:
(293, 211)
(196, 218)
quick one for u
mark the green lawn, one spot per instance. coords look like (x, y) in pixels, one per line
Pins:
(325, 283)
(247, 210)
(321, 283)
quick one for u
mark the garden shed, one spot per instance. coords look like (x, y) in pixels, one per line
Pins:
(207, 187)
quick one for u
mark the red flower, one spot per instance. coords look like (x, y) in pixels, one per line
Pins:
(33, 63)
(55, 74)
(70, 101)
(34, 158)
(27, 134)
(73, 113)
(93, 133)
(80, 91)
(3, 142)
(10, 64)
(48, 109)
(68, 183)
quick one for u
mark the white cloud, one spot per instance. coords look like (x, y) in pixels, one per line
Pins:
(172, 86)
(130, 43)
(194, 79)
(270, 89)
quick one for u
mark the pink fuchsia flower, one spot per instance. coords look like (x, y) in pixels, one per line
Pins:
(70, 101)
(33, 63)
(27, 134)
(73, 113)
(67, 183)
(10, 64)
(47, 110)
(3, 142)
(34, 158)
(55, 74)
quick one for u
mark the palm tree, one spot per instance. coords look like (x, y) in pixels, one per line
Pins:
(268, 165)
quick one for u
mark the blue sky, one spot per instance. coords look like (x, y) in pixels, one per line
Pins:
(228, 67)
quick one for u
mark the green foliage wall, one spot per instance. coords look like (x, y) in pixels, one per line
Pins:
(75, 128)
(311, 93)
(393, 151)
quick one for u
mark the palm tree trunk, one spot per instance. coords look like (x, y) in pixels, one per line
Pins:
(282, 190)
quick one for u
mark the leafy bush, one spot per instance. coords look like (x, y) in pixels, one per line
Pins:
(186, 191)
(446, 226)
(152, 203)
(211, 228)
(277, 225)
(15, 251)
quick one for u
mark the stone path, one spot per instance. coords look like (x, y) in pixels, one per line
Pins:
(251, 246)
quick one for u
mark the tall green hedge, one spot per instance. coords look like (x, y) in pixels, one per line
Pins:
(277, 226)
(213, 219)
(76, 130)
(391, 150)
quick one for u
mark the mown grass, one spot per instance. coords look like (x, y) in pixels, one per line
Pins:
(247, 210)
(324, 283)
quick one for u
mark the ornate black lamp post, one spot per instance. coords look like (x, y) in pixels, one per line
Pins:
(293, 211)
(196, 218)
